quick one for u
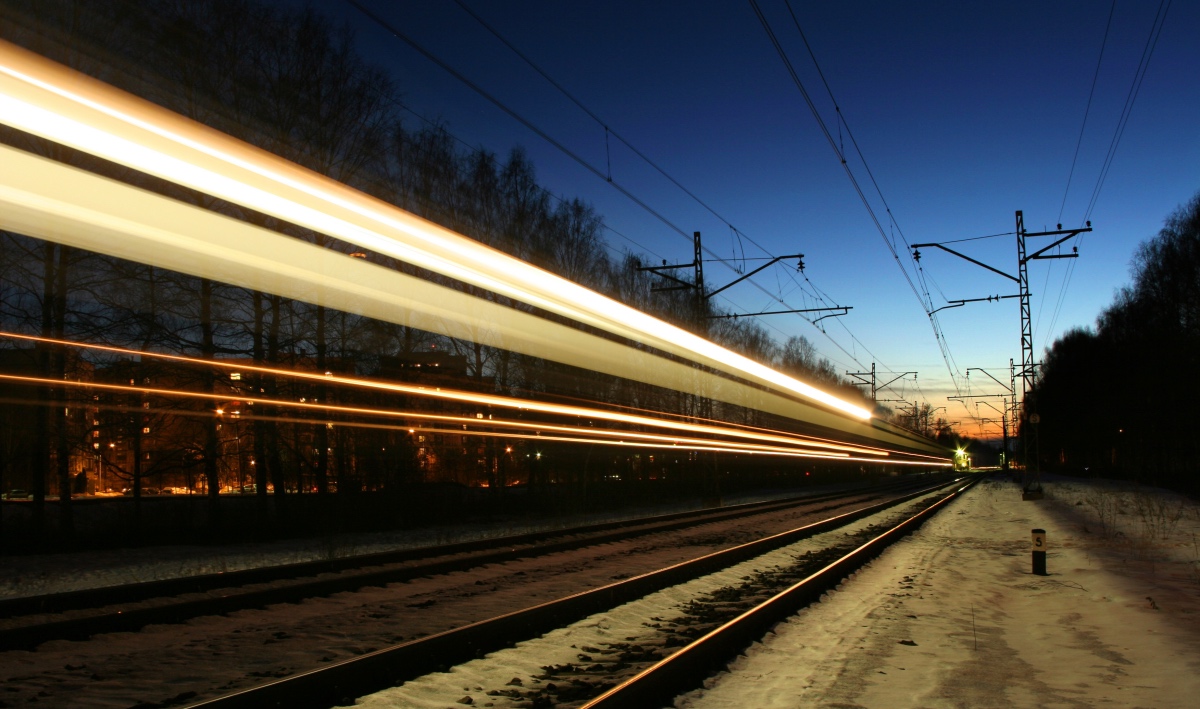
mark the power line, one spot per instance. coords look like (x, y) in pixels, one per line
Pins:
(1062, 294)
(1160, 18)
(577, 158)
(1087, 110)
(977, 238)
(439, 126)
(1139, 76)
(926, 305)
(514, 115)
(610, 131)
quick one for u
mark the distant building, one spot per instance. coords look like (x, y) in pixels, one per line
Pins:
(445, 456)
(24, 442)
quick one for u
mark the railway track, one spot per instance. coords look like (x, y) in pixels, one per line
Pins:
(662, 656)
(28, 622)
(661, 681)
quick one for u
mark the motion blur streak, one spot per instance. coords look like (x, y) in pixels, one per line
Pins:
(49, 100)
(470, 426)
(49, 200)
(469, 397)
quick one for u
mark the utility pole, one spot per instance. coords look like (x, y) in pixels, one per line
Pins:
(863, 381)
(1033, 488)
(1027, 366)
(1003, 426)
(697, 265)
(1004, 415)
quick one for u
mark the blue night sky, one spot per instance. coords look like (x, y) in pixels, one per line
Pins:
(965, 113)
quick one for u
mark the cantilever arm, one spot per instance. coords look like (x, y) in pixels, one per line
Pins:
(968, 258)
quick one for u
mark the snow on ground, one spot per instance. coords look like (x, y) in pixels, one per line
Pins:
(209, 656)
(953, 616)
(625, 623)
(34, 575)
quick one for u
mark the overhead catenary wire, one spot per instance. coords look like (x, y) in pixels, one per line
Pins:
(1139, 76)
(439, 126)
(1071, 174)
(853, 141)
(576, 157)
(977, 238)
(1062, 294)
(420, 49)
(540, 133)
(1087, 109)
(926, 305)
(608, 130)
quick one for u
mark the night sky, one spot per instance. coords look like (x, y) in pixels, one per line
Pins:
(965, 112)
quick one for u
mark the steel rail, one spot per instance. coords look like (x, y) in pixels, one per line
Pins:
(687, 669)
(374, 570)
(342, 682)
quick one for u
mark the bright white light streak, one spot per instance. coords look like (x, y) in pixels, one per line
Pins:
(184, 152)
(49, 200)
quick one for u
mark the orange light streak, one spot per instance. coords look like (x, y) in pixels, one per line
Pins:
(592, 435)
(471, 397)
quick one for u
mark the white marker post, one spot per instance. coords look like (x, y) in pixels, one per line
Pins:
(1039, 552)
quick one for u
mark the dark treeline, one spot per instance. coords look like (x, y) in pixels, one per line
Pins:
(292, 83)
(1120, 401)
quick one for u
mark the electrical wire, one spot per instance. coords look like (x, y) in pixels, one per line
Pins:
(1062, 294)
(469, 146)
(516, 116)
(737, 233)
(1139, 76)
(925, 301)
(607, 176)
(1087, 109)
(593, 169)
(1134, 89)
(977, 238)
(609, 130)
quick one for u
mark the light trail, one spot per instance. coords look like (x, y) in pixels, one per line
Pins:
(105, 216)
(436, 393)
(585, 434)
(679, 444)
(668, 443)
(46, 99)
